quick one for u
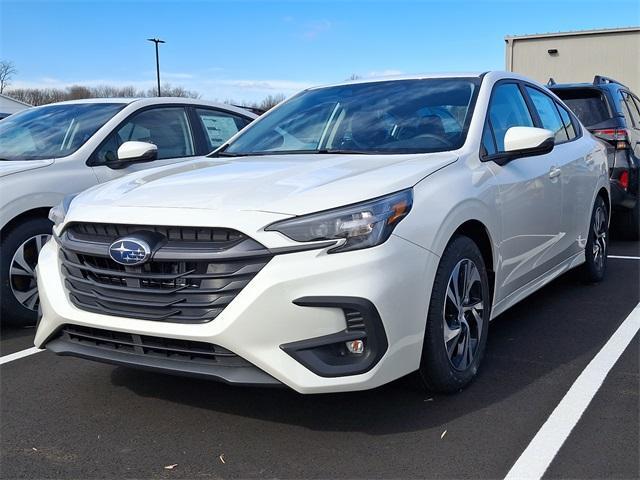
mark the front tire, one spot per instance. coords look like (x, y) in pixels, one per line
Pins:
(597, 246)
(458, 319)
(19, 252)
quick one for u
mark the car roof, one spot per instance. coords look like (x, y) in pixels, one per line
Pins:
(147, 101)
(583, 85)
(494, 75)
(391, 78)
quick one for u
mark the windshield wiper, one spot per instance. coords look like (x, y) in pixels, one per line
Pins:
(341, 151)
(227, 154)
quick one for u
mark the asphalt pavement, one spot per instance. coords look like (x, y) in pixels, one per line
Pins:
(63, 417)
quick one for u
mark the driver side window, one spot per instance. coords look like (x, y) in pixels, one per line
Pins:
(166, 127)
(507, 108)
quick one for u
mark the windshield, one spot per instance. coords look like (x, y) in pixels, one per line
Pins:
(52, 131)
(401, 116)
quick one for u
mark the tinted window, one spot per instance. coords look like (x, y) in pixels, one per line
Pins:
(52, 131)
(632, 108)
(219, 126)
(405, 116)
(167, 128)
(567, 121)
(507, 109)
(588, 104)
(548, 113)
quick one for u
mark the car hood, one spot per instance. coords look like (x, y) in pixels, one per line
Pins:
(9, 167)
(287, 184)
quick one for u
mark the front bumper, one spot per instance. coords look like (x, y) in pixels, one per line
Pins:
(263, 319)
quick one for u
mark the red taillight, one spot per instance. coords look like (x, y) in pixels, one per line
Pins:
(617, 136)
(624, 179)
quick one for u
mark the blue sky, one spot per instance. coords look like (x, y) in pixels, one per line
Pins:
(245, 50)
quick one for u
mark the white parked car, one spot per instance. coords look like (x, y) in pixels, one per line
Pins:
(353, 235)
(49, 152)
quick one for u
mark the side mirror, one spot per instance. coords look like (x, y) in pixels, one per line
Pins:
(524, 142)
(130, 152)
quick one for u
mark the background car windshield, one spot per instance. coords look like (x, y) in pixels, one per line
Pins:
(52, 131)
(402, 116)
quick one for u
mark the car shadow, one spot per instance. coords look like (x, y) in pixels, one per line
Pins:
(560, 327)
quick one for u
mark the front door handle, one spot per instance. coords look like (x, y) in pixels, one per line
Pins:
(554, 172)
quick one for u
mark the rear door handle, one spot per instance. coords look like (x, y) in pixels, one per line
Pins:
(554, 172)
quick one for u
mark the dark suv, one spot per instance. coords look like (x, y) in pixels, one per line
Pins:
(611, 112)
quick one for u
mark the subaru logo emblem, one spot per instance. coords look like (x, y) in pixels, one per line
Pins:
(129, 251)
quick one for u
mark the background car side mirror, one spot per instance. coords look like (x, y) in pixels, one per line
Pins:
(133, 152)
(524, 142)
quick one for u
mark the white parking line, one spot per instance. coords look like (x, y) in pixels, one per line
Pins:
(22, 353)
(537, 457)
(624, 257)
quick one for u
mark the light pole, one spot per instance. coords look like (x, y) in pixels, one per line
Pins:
(157, 41)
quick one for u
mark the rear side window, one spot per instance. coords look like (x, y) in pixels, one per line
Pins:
(548, 113)
(219, 126)
(507, 109)
(568, 123)
(632, 108)
(588, 104)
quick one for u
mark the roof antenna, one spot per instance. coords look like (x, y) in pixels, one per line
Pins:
(551, 82)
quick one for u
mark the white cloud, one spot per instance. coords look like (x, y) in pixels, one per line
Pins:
(384, 73)
(264, 85)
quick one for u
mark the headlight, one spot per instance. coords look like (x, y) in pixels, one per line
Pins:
(57, 213)
(362, 225)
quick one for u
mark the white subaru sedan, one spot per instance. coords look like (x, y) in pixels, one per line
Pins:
(355, 234)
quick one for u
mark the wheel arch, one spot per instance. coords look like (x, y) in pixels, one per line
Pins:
(603, 192)
(479, 233)
(38, 212)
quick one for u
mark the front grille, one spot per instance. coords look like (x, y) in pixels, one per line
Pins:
(183, 282)
(149, 346)
(108, 233)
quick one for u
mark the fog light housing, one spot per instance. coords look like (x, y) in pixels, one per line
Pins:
(354, 350)
(355, 346)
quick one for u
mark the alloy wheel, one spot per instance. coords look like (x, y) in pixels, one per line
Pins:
(22, 274)
(463, 314)
(599, 230)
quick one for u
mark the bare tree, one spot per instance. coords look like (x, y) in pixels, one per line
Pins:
(43, 96)
(271, 101)
(7, 71)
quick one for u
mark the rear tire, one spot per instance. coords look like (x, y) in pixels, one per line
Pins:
(19, 249)
(595, 266)
(458, 319)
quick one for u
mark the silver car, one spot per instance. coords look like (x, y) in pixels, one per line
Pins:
(49, 152)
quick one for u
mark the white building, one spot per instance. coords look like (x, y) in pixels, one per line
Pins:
(577, 56)
(10, 105)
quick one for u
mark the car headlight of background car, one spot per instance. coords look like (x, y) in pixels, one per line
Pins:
(362, 225)
(59, 212)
